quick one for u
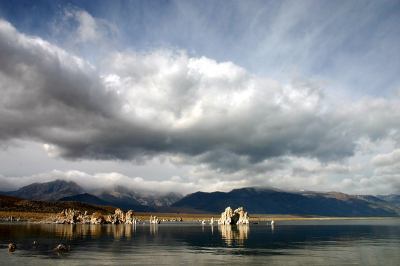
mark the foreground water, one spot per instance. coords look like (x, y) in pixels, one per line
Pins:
(319, 242)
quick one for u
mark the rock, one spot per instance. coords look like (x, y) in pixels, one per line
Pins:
(71, 216)
(234, 217)
(97, 218)
(154, 220)
(62, 248)
(120, 216)
(12, 247)
(130, 218)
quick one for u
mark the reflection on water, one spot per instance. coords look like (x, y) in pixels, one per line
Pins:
(73, 231)
(234, 234)
(153, 229)
(288, 242)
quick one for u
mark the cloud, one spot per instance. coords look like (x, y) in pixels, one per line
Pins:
(383, 184)
(234, 127)
(386, 159)
(76, 26)
(99, 181)
(387, 164)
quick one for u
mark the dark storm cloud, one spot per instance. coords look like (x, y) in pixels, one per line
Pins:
(166, 103)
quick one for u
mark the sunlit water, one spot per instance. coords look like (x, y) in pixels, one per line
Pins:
(320, 242)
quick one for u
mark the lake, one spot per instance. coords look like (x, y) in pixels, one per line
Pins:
(309, 242)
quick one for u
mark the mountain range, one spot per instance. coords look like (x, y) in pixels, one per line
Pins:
(13, 204)
(117, 196)
(50, 191)
(274, 201)
(253, 200)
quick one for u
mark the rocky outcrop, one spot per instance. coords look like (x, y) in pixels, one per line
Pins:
(97, 218)
(154, 220)
(71, 216)
(130, 218)
(234, 217)
(117, 218)
(61, 248)
(12, 247)
(120, 217)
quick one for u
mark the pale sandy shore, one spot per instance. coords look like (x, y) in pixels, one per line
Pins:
(144, 216)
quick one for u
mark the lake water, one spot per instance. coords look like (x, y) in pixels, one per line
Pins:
(319, 242)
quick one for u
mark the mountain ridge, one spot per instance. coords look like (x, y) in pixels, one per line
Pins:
(271, 201)
(118, 196)
(48, 191)
(15, 204)
(255, 200)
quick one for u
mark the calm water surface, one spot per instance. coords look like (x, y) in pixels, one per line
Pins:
(320, 242)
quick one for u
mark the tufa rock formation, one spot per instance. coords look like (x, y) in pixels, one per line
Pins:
(154, 220)
(97, 218)
(71, 216)
(120, 217)
(234, 217)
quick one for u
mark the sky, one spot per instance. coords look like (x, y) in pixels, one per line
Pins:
(189, 96)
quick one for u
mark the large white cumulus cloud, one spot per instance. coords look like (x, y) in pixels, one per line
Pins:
(192, 110)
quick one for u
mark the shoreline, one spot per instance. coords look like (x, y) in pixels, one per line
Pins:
(144, 216)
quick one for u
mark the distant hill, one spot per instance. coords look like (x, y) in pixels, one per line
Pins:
(50, 191)
(118, 196)
(91, 199)
(254, 200)
(272, 201)
(393, 199)
(86, 198)
(13, 204)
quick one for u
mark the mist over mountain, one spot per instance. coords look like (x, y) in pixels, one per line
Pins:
(117, 196)
(121, 194)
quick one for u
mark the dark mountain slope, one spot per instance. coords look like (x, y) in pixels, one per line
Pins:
(87, 198)
(48, 191)
(13, 204)
(142, 200)
(270, 201)
(393, 199)
(115, 202)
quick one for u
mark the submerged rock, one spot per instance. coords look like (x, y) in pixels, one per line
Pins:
(62, 248)
(12, 247)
